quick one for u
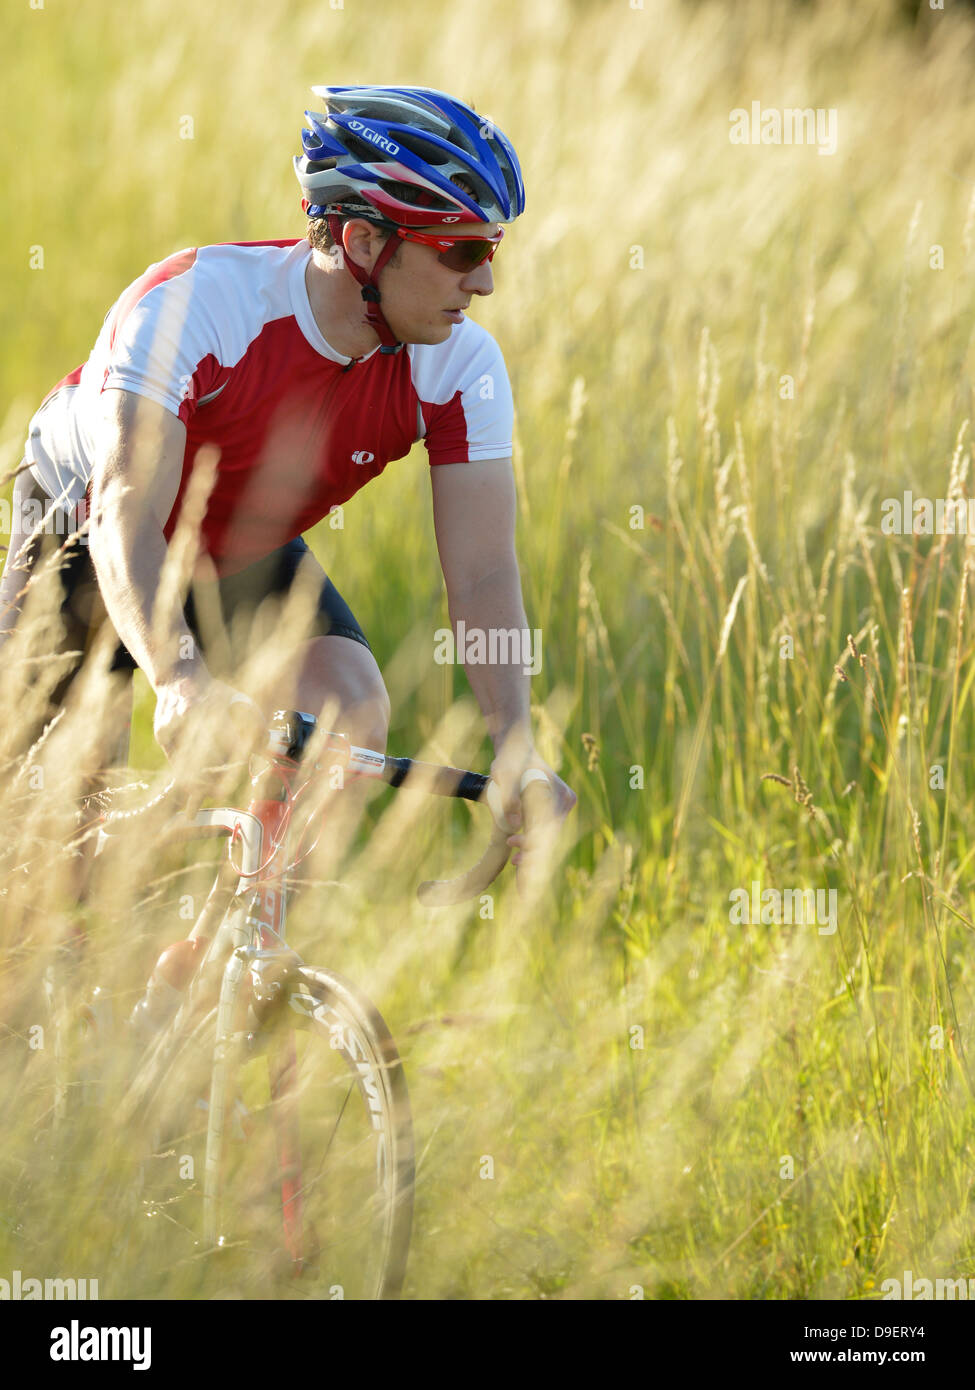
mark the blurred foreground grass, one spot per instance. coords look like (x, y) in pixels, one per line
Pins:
(724, 358)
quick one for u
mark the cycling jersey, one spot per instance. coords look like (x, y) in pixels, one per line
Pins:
(224, 337)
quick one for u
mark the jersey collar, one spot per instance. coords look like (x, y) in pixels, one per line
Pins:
(300, 303)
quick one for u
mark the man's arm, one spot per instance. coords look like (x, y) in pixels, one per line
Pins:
(136, 476)
(135, 480)
(474, 511)
(474, 517)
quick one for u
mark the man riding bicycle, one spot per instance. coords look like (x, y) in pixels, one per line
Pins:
(286, 375)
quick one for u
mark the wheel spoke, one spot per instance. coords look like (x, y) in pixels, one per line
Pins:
(315, 1189)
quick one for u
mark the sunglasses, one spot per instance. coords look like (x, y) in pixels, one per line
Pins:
(456, 253)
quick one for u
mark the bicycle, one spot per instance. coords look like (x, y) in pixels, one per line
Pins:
(247, 1060)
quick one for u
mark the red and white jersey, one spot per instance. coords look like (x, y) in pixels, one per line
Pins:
(224, 337)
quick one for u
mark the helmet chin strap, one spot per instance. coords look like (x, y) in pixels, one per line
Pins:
(370, 287)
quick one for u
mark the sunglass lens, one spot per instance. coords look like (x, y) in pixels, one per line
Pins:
(465, 255)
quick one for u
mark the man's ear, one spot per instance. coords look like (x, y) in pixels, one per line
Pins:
(362, 241)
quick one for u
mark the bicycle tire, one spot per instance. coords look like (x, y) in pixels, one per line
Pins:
(254, 1254)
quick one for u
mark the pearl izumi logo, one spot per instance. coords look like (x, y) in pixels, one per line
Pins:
(374, 137)
(77, 1343)
(362, 456)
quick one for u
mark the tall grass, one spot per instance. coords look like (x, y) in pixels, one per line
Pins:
(750, 344)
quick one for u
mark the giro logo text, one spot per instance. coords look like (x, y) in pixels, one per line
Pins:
(374, 137)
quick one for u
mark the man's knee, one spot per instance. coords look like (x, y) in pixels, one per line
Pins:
(337, 669)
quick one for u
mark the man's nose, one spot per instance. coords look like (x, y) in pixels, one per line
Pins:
(480, 280)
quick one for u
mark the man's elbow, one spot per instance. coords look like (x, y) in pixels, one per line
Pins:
(467, 587)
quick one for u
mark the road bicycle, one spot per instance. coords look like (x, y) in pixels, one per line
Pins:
(268, 1095)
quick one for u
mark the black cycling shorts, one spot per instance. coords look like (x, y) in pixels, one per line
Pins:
(237, 595)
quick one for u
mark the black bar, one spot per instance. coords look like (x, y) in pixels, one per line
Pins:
(443, 781)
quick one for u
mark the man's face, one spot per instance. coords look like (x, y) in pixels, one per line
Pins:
(422, 299)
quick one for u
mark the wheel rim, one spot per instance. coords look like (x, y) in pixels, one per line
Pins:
(316, 1171)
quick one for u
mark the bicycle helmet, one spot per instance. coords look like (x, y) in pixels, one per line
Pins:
(403, 156)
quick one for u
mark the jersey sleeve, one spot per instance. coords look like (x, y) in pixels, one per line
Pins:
(466, 406)
(160, 337)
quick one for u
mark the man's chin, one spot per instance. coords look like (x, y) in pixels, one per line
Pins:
(431, 334)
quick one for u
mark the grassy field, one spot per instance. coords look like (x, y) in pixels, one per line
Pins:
(724, 357)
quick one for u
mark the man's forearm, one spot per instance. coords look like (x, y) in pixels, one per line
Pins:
(498, 653)
(128, 553)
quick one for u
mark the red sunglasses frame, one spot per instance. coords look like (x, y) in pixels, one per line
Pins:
(447, 243)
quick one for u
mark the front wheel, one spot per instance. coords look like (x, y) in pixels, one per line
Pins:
(309, 1192)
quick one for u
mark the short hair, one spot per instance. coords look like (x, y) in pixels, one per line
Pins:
(320, 236)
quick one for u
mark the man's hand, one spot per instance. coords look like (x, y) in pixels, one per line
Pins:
(533, 844)
(202, 723)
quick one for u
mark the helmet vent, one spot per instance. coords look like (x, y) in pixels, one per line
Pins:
(423, 149)
(417, 197)
(465, 186)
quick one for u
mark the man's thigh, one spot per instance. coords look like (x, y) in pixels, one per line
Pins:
(295, 643)
(53, 558)
(276, 605)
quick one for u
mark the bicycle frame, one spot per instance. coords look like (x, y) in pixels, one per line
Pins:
(244, 920)
(252, 935)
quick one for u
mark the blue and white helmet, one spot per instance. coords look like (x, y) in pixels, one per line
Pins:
(411, 156)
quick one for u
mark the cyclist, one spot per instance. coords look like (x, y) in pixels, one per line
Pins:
(295, 371)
